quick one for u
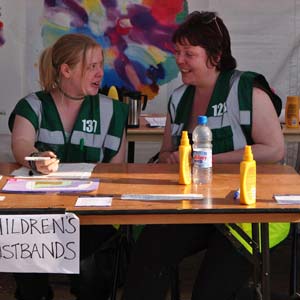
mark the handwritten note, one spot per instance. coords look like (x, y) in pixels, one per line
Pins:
(47, 243)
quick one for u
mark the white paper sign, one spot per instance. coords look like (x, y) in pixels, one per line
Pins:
(93, 201)
(44, 243)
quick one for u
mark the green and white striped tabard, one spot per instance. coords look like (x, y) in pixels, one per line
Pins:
(229, 111)
(97, 132)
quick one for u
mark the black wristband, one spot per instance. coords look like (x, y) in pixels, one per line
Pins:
(32, 162)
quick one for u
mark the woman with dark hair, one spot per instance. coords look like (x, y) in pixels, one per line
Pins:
(207, 30)
(241, 108)
(215, 88)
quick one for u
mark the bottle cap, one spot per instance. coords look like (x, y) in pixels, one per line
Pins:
(202, 120)
(292, 98)
(113, 93)
(184, 138)
(248, 156)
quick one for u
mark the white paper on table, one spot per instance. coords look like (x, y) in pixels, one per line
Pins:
(287, 199)
(162, 197)
(65, 170)
(156, 121)
(93, 201)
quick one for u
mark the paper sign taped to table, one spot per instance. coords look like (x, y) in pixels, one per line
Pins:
(162, 197)
(44, 243)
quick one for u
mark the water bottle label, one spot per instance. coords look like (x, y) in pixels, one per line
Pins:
(202, 158)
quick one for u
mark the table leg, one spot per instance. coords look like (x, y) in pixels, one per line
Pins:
(297, 164)
(125, 241)
(257, 261)
(294, 261)
(261, 261)
(265, 252)
(130, 152)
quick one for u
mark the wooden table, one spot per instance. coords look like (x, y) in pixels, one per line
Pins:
(291, 135)
(218, 205)
(146, 134)
(143, 133)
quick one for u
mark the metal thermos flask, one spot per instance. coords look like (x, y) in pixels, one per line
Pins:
(136, 102)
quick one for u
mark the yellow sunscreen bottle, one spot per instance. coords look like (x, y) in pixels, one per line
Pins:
(248, 178)
(113, 93)
(185, 151)
(292, 112)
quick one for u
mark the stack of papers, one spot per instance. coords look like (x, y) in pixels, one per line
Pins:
(156, 122)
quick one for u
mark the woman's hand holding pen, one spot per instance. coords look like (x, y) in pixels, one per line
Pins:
(47, 163)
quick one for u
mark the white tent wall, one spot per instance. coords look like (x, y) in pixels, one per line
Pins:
(12, 55)
(265, 37)
(264, 34)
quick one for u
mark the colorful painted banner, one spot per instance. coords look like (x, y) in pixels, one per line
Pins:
(135, 35)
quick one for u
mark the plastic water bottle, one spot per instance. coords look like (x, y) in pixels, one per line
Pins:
(202, 152)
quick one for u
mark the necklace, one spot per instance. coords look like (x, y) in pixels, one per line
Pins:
(68, 96)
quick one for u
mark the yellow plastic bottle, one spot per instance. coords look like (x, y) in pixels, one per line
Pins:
(248, 178)
(185, 151)
(292, 112)
(113, 93)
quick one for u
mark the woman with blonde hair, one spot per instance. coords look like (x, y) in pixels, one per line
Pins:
(69, 121)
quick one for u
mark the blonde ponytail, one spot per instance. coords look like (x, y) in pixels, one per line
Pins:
(47, 72)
